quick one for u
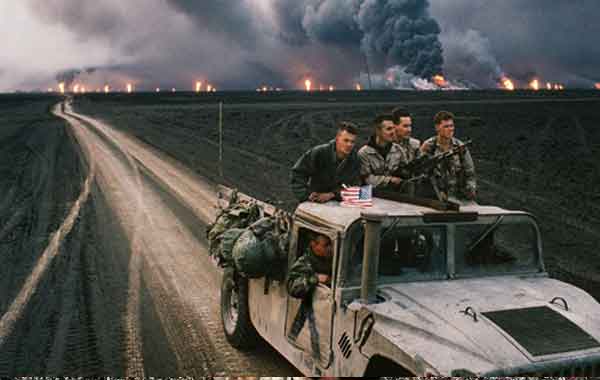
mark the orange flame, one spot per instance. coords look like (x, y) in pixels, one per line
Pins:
(549, 86)
(508, 84)
(308, 84)
(129, 88)
(76, 88)
(61, 87)
(209, 87)
(535, 84)
(106, 89)
(331, 88)
(358, 87)
(440, 81)
(597, 85)
(198, 86)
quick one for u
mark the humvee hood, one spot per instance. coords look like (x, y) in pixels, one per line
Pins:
(452, 324)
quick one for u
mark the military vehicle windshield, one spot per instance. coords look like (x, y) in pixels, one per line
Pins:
(411, 250)
(509, 244)
(407, 254)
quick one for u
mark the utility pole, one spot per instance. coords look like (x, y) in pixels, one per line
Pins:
(368, 71)
(221, 139)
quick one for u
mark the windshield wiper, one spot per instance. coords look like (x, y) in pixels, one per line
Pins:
(491, 228)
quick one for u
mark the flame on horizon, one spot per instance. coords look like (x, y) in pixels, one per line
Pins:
(198, 86)
(209, 88)
(358, 87)
(535, 84)
(440, 81)
(157, 89)
(106, 89)
(597, 85)
(129, 88)
(331, 88)
(61, 87)
(308, 84)
(508, 84)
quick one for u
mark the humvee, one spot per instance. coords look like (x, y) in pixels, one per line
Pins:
(421, 292)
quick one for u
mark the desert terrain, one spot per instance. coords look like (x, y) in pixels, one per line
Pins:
(89, 287)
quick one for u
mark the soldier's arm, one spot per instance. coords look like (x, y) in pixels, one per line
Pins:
(469, 170)
(302, 279)
(301, 173)
(366, 172)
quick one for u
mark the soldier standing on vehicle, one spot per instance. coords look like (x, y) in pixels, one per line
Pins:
(319, 174)
(403, 122)
(381, 157)
(456, 177)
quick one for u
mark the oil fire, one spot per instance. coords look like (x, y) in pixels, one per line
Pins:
(208, 87)
(535, 84)
(308, 84)
(157, 89)
(61, 87)
(106, 89)
(358, 87)
(198, 86)
(129, 88)
(597, 85)
(440, 81)
(331, 88)
(549, 86)
(508, 84)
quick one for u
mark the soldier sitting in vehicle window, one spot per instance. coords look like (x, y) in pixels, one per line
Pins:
(312, 268)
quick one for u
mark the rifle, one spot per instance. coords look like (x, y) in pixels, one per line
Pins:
(424, 165)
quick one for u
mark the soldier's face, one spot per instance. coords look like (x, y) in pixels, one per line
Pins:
(321, 246)
(445, 129)
(344, 142)
(387, 131)
(404, 128)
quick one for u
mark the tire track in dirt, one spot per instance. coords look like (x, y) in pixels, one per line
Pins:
(182, 291)
(15, 310)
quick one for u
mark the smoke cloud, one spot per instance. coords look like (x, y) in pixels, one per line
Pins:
(248, 43)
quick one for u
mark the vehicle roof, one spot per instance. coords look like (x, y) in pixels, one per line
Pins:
(341, 217)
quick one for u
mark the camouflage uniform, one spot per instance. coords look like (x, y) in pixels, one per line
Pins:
(411, 147)
(377, 170)
(456, 177)
(302, 279)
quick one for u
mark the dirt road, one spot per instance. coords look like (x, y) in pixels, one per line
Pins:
(152, 292)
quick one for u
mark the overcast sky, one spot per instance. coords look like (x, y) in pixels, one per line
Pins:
(249, 43)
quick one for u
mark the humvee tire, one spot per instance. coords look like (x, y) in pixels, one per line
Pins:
(235, 313)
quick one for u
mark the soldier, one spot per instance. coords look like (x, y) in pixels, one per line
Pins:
(312, 268)
(403, 122)
(319, 174)
(381, 157)
(456, 176)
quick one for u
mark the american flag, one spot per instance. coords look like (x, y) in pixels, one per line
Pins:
(357, 196)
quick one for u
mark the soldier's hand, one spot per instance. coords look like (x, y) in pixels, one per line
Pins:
(395, 180)
(324, 197)
(323, 278)
(312, 197)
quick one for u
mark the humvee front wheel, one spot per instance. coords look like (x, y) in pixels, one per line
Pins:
(235, 312)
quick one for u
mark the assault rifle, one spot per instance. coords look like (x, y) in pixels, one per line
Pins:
(424, 165)
(423, 168)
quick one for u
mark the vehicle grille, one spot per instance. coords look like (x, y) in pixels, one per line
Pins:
(542, 331)
(589, 371)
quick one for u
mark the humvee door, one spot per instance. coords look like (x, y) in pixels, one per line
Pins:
(322, 302)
